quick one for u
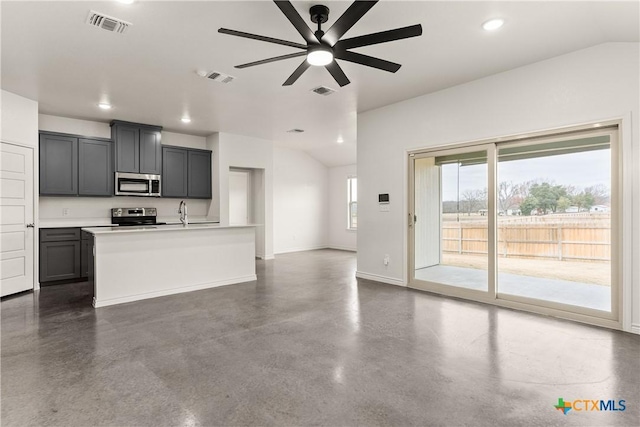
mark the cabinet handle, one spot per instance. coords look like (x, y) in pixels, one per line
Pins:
(30, 225)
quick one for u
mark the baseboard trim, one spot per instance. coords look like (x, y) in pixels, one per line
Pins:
(635, 328)
(378, 278)
(165, 292)
(312, 248)
(342, 248)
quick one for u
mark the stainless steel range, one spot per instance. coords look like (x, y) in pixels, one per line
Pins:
(134, 216)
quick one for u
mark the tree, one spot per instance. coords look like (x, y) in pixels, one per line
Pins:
(529, 204)
(508, 193)
(547, 195)
(563, 203)
(474, 199)
(584, 200)
(601, 194)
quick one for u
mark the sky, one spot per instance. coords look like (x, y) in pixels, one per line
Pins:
(577, 169)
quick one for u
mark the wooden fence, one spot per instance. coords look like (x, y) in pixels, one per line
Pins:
(589, 241)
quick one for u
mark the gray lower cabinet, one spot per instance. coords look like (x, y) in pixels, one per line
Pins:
(95, 168)
(86, 254)
(64, 254)
(72, 165)
(59, 254)
(186, 172)
(58, 165)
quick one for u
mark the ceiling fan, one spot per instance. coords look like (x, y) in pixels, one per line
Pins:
(323, 48)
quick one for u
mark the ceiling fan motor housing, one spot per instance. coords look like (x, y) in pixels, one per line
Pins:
(319, 14)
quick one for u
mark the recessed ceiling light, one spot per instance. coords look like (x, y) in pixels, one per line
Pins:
(340, 140)
(185, 120)
(493, 24)
(125, 1)
(104, 106)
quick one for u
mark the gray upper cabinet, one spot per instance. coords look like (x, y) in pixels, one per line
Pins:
(174, 172)
(58, 165)
(71, 165)
(95, 167)
(186, 172)
(199, 174)
(138, 148)
(127, 140)
(150, 152)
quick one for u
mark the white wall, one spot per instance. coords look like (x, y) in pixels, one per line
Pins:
(584, 86)
(300, 201)
(237, 151)
(18, 120)
(98, 208)
(339, 236)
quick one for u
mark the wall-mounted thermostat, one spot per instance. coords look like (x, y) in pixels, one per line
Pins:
(383, 202)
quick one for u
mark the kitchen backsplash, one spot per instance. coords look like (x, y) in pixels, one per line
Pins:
(53, 208)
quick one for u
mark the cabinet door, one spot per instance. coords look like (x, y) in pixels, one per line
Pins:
(199, 174)
(58, 165)
(84, 258)
(59, 260)
(150, 152)
(174, 172)
(127, 139)
(95, 168)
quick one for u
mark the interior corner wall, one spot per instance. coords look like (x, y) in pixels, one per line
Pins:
(588, 85)
(237, 151)
(18, 119)
(340, 237)
(300, 201)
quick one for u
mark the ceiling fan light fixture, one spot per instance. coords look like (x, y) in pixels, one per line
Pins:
(320, 56)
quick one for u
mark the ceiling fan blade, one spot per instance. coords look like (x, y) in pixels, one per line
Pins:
(297, 73)
(347, 20)
(294, 17)
(381, 37)
(274, 59)
(369, 61)
(261, 38)
(339, 76)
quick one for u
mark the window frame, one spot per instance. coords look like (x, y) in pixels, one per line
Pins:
(351, 203)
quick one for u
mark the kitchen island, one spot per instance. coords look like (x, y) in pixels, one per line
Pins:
(135, 263)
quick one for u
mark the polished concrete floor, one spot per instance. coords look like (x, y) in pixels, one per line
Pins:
(563, 291)
(306, 344)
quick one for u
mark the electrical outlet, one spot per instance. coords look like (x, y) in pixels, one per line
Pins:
(65, 211)
(387, 259)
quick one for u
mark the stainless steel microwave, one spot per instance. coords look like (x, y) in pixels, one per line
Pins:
(137, 184)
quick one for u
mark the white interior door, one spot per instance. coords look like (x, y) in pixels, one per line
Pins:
(16, 219)
(239, 191)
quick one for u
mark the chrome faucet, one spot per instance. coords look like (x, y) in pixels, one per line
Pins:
(182, 210)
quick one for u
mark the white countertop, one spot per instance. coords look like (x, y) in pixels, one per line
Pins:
(157, 228)
(102, 222)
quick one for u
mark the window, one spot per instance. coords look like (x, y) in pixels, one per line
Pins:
(352, 200)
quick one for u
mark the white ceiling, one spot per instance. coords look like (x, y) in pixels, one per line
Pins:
(149, 74)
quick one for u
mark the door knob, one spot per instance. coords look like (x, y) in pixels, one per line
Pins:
(30, 225)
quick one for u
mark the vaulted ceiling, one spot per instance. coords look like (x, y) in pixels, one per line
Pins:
(148, 74)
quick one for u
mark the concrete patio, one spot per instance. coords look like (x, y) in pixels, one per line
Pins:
(562, 291)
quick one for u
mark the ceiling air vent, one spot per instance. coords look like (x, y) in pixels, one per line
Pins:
(108, 23)
(323, 90)
(219, 77)
(295, 131)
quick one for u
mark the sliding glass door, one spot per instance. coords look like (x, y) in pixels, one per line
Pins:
(450, 220)
(531, 222)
